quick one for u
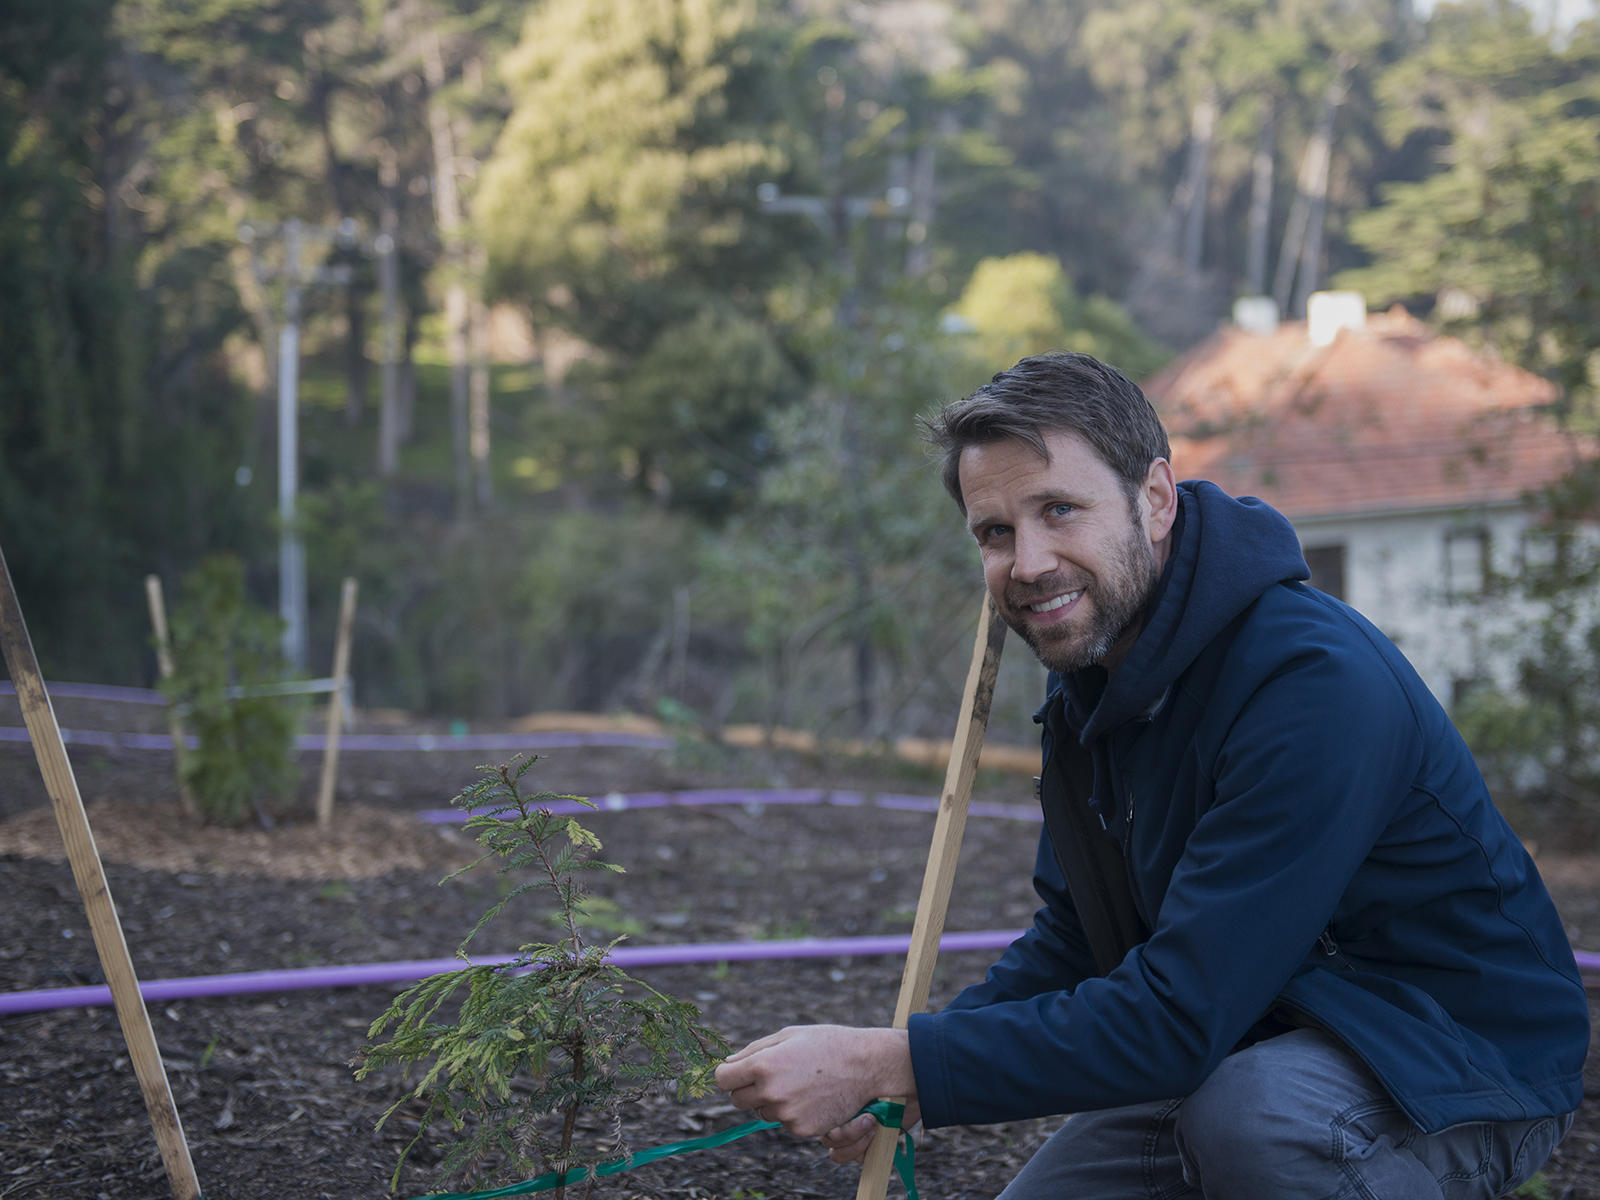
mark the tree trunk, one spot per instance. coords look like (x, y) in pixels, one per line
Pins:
(457, 315)
(1311, 251)
(410, 334)
(924, 198)
(1310, 272)
(341, 183)
(478, 397)
(1311, 191)
(355, 355)
(258, 366)
(388, 247)
(1197, 172)
(457, 306)
(860, 571)
(1260, 221)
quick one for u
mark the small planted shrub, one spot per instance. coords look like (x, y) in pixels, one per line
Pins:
(517, 1060)
(222, 646)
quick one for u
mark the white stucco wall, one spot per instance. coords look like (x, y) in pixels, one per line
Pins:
(1395, 575)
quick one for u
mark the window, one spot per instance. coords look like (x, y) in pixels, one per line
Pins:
(1466, 564)
(1327, 569)
(1544, 553)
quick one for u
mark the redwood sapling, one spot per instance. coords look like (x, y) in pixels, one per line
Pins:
(555, 1042)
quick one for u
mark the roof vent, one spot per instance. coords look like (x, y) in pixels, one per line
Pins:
(1329, 312)
(1256, 314)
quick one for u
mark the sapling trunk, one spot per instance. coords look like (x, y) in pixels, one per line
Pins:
(570, 1121)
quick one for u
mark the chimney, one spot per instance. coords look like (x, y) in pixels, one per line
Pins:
(1329, 312)
(1256, 314)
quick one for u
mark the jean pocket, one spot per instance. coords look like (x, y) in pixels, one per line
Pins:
(1534, 1147)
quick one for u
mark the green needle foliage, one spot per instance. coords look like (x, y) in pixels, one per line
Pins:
(551, 1044)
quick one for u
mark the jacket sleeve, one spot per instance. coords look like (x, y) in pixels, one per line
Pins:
(1053, 955)
(1310, 759)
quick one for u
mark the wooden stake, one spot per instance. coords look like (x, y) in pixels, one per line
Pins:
(158, 620)
(934, 902)
(341, 672)
(87, 870)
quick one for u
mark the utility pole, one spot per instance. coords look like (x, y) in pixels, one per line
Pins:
(387, 247)
(294, 234)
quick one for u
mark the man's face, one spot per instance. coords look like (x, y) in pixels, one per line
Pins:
(1069, 562)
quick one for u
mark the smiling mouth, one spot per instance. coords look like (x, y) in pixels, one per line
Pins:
(1055, 602)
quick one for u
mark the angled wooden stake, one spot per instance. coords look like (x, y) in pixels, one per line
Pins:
(158, 621)
(941, 869)
(341, 672)
(51, 752)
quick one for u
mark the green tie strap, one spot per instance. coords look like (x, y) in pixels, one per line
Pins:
(890, 1115)
(883, 1111)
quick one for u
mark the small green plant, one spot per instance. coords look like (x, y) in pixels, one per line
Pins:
(221, 645)
(554, 1042)
(778, 929)
(694, 746)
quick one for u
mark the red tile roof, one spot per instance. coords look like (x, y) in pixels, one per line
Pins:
(1389, 417)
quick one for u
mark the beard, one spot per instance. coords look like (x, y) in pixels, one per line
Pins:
(1117, 601)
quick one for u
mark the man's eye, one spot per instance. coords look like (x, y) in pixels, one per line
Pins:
(1062, 510)
(991, 533)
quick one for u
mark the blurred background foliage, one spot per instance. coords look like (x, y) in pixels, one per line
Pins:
(632, 419)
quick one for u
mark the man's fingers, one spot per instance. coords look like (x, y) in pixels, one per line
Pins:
(732, 1075)
(759, 1044)
(852, 1130)
(747, 1098)
(849, 1142)
(854, 1152)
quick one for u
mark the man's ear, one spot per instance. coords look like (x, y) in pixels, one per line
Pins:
(1160, 497)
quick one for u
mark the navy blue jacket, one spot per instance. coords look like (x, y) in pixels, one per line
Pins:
(1309, 842)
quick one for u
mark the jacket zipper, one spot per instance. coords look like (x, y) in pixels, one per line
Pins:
(1330, 948)
(1127, 862)
(1127, 838)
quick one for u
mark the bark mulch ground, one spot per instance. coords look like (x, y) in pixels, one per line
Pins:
(263, 1082)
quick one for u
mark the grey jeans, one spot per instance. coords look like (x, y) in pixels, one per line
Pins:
(1296, 1117)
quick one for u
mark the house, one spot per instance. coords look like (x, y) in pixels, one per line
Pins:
(1404, 459)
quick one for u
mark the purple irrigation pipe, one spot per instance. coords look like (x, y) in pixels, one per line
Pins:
(618, 802)
(377, 741)
(367, 974)
(94, 691)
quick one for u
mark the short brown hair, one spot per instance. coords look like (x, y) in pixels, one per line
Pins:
(1057, 392)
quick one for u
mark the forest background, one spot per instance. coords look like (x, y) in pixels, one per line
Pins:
(624, 309)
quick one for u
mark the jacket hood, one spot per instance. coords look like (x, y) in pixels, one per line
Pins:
(1226, 552)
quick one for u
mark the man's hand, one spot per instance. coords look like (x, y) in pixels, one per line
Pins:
(849, 1142)
(813, 1079)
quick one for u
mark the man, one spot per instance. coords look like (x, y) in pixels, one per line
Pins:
(1288, 948)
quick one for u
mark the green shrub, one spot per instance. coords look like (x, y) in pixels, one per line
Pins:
(221, 644)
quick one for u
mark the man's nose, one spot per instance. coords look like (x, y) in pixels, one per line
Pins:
(1033, 559)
